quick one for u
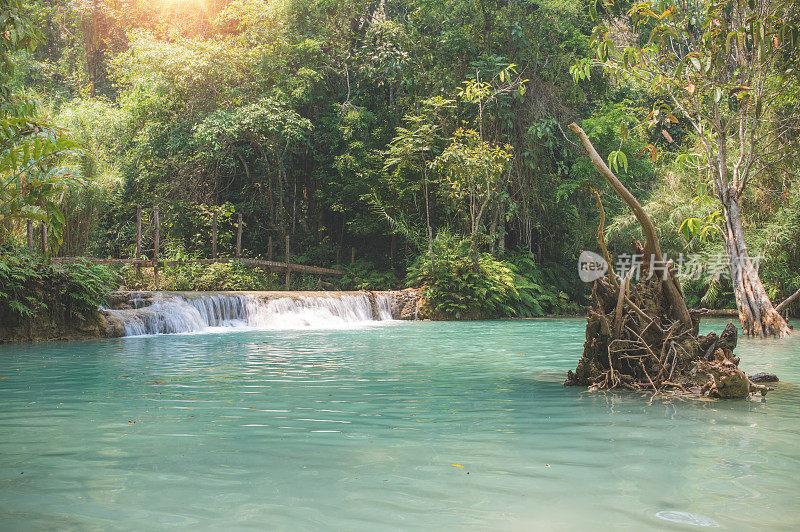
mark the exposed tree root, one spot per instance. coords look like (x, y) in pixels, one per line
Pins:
(643, 337)
(633, 343)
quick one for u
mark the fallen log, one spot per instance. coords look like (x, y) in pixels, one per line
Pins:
(245, 261)
(787, 301)
(714, 312)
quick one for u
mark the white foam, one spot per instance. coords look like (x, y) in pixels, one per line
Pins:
(172, 314)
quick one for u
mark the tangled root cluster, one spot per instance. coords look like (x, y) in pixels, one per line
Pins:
(633, 343)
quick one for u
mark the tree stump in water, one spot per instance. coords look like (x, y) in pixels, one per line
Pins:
(633, 343)
(643, 337)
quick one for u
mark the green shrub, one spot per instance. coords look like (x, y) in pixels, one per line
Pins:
(546, 288)
(456, 288)
(31, 288)
(364, 275)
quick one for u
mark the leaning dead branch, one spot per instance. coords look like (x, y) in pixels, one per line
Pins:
(641, 336)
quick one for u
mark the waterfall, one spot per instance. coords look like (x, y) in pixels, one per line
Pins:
(168, 314)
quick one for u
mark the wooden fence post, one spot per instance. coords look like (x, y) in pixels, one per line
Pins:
(156, 242)
(269, 249)
(239, 237)
(29, 228)
(214, 235)
(288, 265)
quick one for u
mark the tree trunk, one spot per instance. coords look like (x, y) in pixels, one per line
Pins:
(493, 236)
(428, 216)
(502, 238)
(652, 247)
(756, 313)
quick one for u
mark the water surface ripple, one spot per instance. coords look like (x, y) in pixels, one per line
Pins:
(408, 425)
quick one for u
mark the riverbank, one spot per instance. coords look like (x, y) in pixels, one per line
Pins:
(134, 312)
(49, 328)
(146, 312)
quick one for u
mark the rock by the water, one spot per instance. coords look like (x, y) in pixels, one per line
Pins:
(763, 377)
(405, 303)
(726, 381)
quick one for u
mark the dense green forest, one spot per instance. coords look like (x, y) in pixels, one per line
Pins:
(428, 136)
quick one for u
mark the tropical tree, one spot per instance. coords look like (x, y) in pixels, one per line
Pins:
(31, 150)
(503, 82)
(273, 131)
(412, 149)
(724, 68)
(475, 172)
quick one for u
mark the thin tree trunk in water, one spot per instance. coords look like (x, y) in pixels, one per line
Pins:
(756, 313)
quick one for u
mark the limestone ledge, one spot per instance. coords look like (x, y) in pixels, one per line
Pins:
(404, 304)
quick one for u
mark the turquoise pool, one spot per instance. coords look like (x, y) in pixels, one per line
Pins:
(382, 427)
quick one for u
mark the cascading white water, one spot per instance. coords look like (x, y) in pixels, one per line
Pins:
(176, 314)
(384, 307)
